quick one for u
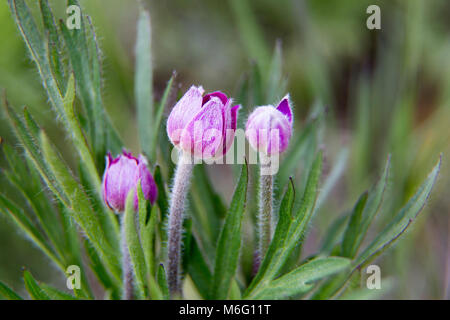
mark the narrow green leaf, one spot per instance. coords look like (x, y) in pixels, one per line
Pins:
(154, 290)
(29, 142)
(401, 221)
(35, 198)
(77, 134)
(158, 118)
(352, 229)
(334, 233)
(162, 282)
(280, 249)
(235, 291)
(228, 247)
(163, 202)
(8, 293)
(134, 247)
(296, 152)
(81, 207)
(87, 158)
(147, 225)
(56, 294)
(37, 46)
(194, 263)
(143, 84)
(207, 212)
(54, 47)
(100, 272)
(302, 279)
(360, 221)
(16, 214)
(33, 288)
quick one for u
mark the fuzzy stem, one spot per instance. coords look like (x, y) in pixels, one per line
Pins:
(127, 272)
(265, 213)
(180, 189)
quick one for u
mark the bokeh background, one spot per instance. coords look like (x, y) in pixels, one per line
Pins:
(385, 91)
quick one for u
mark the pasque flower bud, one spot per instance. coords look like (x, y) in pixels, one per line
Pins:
(203, 125)
(122, 175)
(269, 129)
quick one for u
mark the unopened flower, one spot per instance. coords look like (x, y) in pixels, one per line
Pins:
(203, 125)
(122, 175)
(269, 129)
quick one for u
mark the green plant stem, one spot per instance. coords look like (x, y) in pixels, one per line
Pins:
(265, 214)
(177, 204)
(127, 271)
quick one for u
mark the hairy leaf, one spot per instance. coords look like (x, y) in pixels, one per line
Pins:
(228, 247)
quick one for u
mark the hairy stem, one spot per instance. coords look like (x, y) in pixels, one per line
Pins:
(265, 214)
(180, 189)
(127, 272)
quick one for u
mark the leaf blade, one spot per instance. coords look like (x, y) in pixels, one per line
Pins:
(229, 243)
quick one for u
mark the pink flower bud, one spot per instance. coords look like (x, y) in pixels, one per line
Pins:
(203, 125)
(269, 129)
(122, 175)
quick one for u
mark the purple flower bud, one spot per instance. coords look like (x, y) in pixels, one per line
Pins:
(269, 129)
(203, 125)
(122, 175)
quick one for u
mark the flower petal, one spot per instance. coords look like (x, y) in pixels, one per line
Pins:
(189, 105)
(285, 108)
(218, 94)
(203, 134)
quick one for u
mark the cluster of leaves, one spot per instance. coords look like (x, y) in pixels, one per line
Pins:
(69, 220)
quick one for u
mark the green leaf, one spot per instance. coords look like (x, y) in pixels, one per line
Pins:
(228, 247)
(194, 263)
(235, 291)
(77, 135)
(302, 279)
(334, 233)
(147, 225)
(162, 282)
(16, 214)
(401, 221)
(8, 293)
(80, 207)
(33, 288)
(363, 215)
(207, 210)
(56, 294)
(30, 144)
(54, 48)
(143, 84)
(36, 45)
(99, 270)
(158, 118)
(163, 202)
(287, 238)
(134, 246)
(32, 192)
(108, 219)
(391, 233)
(298, 149)
(352, 229)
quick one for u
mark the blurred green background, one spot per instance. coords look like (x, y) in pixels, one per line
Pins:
(386, 91)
